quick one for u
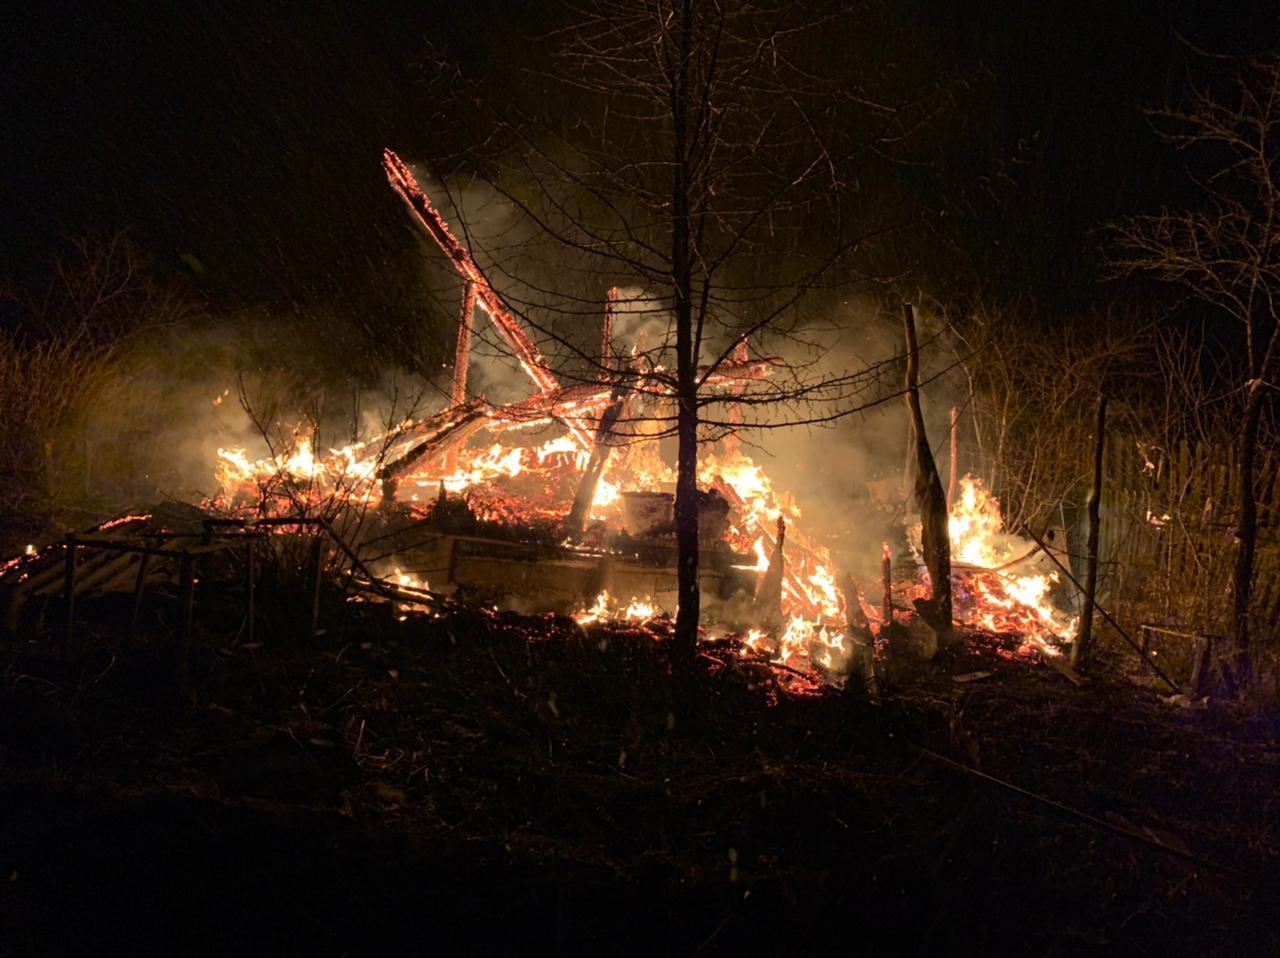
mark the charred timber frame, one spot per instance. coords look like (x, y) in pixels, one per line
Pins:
(572, 405)
(402, 179)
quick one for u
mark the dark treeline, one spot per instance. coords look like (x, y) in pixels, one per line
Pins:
(239, 144)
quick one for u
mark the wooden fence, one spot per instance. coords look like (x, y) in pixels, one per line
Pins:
(1168, 537)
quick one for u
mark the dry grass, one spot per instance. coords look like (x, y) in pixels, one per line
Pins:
(45, 388)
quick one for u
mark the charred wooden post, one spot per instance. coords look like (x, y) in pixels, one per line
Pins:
(929, 495)
(461, 361)
(69, 592)
(768, 601)
(862, 662)
(1083, 645)
(602, 446)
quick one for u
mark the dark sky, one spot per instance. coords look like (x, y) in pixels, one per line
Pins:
(248, 134)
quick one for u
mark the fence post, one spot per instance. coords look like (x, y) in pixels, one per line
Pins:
(69, 592)
(1083, 644)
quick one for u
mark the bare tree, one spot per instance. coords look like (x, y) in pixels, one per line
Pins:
(1226, 253)
(707, 167)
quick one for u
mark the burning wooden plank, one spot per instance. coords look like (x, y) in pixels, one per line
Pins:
(404, 182)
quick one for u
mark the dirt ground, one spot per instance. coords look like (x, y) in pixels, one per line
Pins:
(496, 784)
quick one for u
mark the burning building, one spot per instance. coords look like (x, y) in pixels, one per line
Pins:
(560, 502)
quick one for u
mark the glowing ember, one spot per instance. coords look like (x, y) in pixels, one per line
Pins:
(121, 521)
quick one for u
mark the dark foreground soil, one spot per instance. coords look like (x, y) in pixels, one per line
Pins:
(500, 785)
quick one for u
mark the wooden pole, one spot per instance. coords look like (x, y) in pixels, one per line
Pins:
(1083, 646)
(930, 498)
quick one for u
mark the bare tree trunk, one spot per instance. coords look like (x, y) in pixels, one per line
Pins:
(686, 632)
(953, 464)
(930, 497)
(1246, 536)
(606, 337)
(1083, 646)
(686, 635)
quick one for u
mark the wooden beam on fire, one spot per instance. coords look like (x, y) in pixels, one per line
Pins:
(404, 183)
(601, 447)
(453, 425)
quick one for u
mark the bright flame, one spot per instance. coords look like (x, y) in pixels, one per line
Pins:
(1002, 593)
(607, 609)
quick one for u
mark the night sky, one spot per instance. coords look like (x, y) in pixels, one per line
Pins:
(245, 138)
